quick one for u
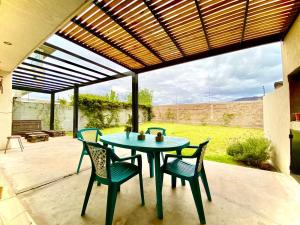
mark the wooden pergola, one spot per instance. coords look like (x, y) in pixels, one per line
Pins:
(143, 35)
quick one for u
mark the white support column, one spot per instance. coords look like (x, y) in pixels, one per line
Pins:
(5, 108)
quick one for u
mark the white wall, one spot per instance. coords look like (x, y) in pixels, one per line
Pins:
(276, 109)
(277, 104)
(5, 109)
(40, 110)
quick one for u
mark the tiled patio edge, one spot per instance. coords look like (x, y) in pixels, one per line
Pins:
(11, 209)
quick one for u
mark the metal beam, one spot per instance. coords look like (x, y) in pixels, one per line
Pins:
(119, 21)
(202, 23)
(135, 103)
(217, 51)
(81, 57)
(245, 20)
(75, 111)
(93, 50)
(26, 84)
(56, 71)
(106, 40)
(33, 82)
(46, 90)
(61, 67)
(34, 76)
(52, 108)
(39, 80)
(49, 74)
(163, 25)
(68, 62)
(22, 88)
(100, 81)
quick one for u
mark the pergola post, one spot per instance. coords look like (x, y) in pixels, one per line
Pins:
(75, 111)
(135, 103)
(52, 108)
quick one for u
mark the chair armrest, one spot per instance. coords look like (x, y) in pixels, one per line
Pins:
(129, 157)
(138, 157)
(175, 156)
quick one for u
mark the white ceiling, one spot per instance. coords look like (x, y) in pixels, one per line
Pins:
(27, 23)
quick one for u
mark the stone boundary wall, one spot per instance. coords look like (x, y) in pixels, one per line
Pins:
(40, 110)
(243, 113)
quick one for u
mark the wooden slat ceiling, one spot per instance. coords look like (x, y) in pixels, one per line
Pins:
(142, 35)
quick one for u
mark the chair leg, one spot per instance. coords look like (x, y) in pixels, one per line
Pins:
(205, 184)
(7, 143)
(151, 164)
(80, 161)
(111, 203)
(178, 152)
(88, 192)
(21, 145)
(173, 181)
(198, 201)
(133, 152)
(141, 188)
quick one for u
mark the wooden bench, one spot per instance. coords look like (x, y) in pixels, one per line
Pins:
(21, 127)
(37, 137)
(55, 133)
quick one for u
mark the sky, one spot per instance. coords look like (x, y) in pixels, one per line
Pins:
(226, 77)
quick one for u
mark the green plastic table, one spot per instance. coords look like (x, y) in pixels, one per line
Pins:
(148, 145)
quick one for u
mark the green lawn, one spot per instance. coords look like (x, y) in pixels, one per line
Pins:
(220, 136)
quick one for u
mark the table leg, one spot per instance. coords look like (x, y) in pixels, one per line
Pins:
(158, 182)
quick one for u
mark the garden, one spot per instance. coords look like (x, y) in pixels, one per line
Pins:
(221, 137)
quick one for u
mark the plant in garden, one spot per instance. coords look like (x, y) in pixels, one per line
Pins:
(145, 97)
(252, 151)
(62, 102)
(103, 111)
(227, 118)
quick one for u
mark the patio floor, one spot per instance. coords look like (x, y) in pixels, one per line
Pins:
(240, 195)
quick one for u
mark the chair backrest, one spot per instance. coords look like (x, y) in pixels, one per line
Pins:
(89, 134)
(101, 158)
(155, 130)
(200, 155)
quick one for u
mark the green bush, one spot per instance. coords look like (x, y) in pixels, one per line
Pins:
(252, 151)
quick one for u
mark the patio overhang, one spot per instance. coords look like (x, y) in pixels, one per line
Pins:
(146, 35)
(141, 36)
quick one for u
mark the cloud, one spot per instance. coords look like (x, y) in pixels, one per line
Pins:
(221, 78)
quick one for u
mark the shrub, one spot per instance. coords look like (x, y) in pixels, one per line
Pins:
(227, 118)
(252, 151)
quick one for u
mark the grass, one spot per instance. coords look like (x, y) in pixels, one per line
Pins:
(220, 136)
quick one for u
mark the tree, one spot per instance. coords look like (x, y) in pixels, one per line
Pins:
(145, 97)
(112, 96)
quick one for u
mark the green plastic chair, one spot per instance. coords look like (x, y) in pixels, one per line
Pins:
(150, 156)
(184, 170)
(111, 174)
(87, 134)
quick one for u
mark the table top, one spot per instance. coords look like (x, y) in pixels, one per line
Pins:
(148, 145)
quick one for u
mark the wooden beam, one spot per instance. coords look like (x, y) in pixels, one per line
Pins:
(202, 24)
(163, 25)
(106, 40)
(118, 20)
(217, 51)
(245, 20)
